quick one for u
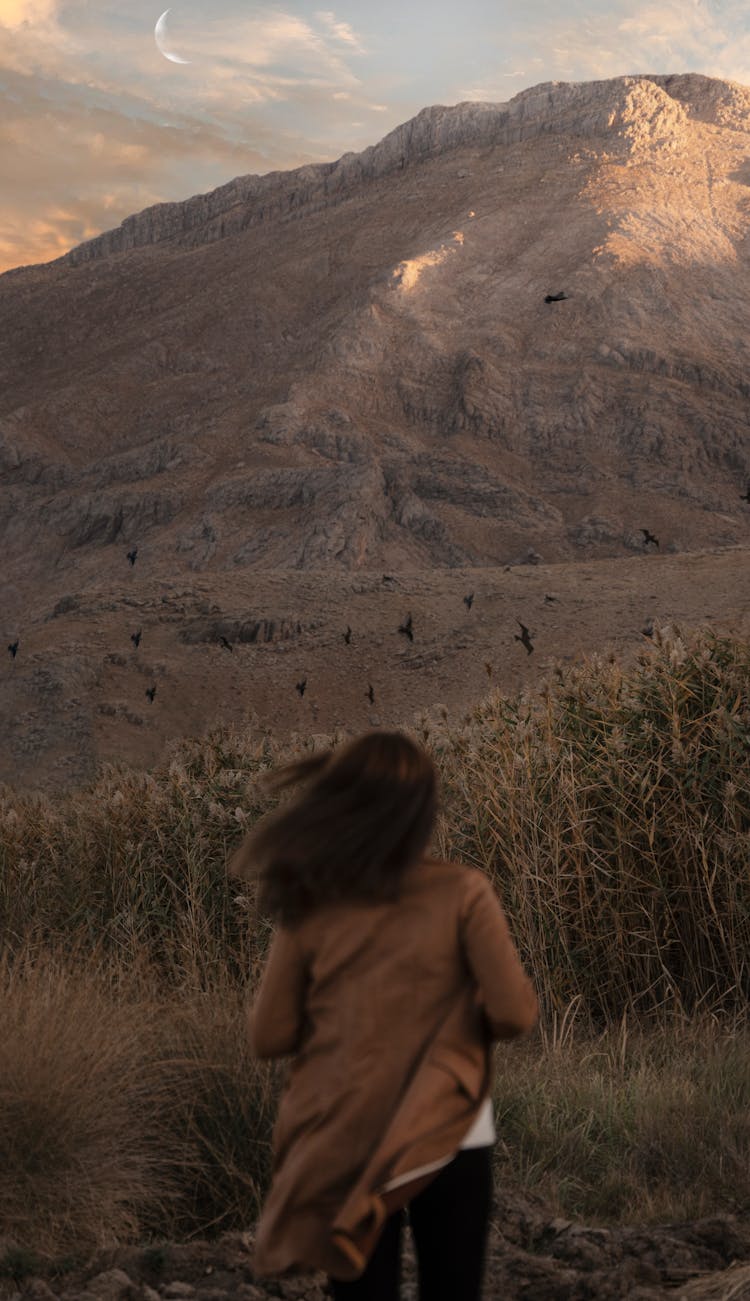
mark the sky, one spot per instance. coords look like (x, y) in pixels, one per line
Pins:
(97, 123)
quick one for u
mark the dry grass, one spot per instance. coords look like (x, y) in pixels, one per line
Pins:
(641, 1125)
(613, 811)
(227, 1103)
(124, 1116)
(136, 865)
(82, 1102)
(122, 1112)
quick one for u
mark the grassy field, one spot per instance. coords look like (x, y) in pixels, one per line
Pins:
(612, 810)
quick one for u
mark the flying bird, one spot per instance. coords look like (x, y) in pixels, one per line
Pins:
(555, 298)
(406, 629)
(469, 600)
(649, 537)
(746, 496)
(151, 692)
(13, 648)
(370, 693)
(348, 635)
(301, 686)
(525, 638)
(135, 637)
(226, 644)
(132, 555)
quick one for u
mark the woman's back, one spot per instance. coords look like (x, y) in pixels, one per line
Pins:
(360, 993)
(388, 978)
(382, 973)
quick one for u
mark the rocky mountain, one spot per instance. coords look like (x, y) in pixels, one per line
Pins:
(352, 367)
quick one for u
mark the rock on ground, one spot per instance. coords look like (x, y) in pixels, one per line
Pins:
(532, 1256)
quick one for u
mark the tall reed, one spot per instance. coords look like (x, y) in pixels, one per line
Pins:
(612, 808)
(613, 811)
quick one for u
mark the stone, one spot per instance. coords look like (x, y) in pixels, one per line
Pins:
(37, 1289)
(113, 1285)
(559, 1225)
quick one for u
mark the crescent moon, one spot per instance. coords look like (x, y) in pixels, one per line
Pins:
(160, 36)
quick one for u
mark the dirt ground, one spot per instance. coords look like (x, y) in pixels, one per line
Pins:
(532, 1256)
(75, 695)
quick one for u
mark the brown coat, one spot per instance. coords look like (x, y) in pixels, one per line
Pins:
(389, 1010)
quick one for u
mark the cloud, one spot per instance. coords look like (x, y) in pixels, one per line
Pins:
(28, 238)
(80, 169)
(273, 48)
(656, 36)
(341, 31)
(585, 40)
(95, 124)
(20, 13)
(32, 39)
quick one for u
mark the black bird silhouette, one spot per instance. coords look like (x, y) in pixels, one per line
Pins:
(226, 644)
(549, 599)
(406, 629)
(746, 496)
(132, 555)
(469, 600)
(348, 635)
(13, 648)
(301, 686)
(649, 537)
(525, 638)
(370, 693)
(555, 298)
(151, 692)
(135, 637)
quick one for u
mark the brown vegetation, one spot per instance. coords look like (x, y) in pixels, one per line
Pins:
(613, 811)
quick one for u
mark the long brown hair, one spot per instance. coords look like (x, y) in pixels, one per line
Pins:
(365, 815)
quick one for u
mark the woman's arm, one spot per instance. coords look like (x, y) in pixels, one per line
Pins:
(507, 995)
(276, 1018)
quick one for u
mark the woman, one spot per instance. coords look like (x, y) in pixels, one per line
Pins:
(389, 977)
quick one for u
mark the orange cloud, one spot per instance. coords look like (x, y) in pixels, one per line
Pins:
(72, 169)
(94, 129)
(31, 13)
(40, 239)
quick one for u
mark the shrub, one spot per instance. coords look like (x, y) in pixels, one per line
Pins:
(82, 1102)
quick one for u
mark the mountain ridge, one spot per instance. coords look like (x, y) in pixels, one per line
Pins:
(549, 105)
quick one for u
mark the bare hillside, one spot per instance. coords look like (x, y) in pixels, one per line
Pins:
(351, 369)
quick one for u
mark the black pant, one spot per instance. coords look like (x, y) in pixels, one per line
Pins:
(449, 1221)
